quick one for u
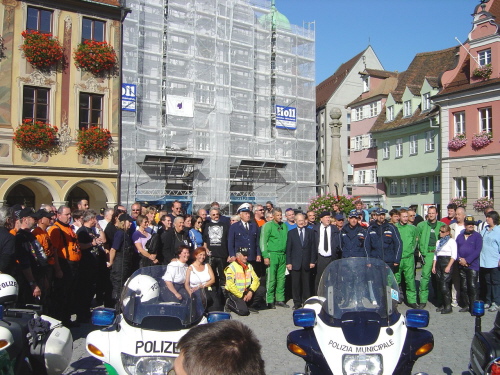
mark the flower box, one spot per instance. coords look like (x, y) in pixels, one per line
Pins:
(95, 57)
(457, 142)
(94, 142)
(481, 140)
(482, 203)
(325, 203)
(42, 51)
(36, 137)
(459, 202)
(483, 72)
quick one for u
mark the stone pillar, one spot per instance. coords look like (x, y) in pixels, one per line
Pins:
(336, 174)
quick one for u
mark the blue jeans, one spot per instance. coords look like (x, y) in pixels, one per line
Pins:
(492, 278)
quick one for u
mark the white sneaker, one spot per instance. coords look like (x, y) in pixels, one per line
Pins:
(493, 307)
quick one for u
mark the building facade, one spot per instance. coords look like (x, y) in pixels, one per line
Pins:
(61, 95)
(470, 105)
(407, 134)
(337, 91)
(365, 109)
(224, 104)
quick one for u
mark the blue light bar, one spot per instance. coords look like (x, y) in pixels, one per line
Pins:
(416, 318)
(217, 316)
(305, 318)
(478, 308)
(103, 316)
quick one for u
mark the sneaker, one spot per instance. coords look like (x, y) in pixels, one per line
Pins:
(493, 307)
(487, 305)
(454, 304)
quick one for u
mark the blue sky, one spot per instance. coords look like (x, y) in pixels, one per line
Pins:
(396, 29)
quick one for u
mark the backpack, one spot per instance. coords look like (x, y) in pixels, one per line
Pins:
(153, 243)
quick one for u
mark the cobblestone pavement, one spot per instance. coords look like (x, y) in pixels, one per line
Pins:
(452, 338)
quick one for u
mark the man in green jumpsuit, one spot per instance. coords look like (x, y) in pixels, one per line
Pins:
(273, 248)
(428, 235)
(406, 268)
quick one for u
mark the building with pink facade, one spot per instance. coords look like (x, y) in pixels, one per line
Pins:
(365, 109)
(470, 109)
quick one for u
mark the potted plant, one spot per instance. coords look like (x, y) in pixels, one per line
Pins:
(94, 142)
(483, 72)
(325, 203)
(482, 203)
(42, 51)
(481, 140)
(36, 137)
(95, 57)
(457, 142)
(459, 201)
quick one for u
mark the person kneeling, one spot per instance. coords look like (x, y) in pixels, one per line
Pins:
(245, 294)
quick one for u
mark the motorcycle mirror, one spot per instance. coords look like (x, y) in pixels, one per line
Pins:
(478, 308)
(103, 316)
(304, 318)
(416, 318)
(218, 316)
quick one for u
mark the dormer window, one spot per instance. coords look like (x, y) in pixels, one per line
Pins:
(484, 57)
(407, 108)
(426, 101)
(390, 113)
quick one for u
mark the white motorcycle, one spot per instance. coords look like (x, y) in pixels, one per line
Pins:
(30, 343)
(141, 337)
(353, 326)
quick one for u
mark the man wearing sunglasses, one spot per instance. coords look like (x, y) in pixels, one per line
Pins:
(259, 215)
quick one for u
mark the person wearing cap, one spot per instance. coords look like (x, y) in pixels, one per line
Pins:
(339, 221)
(406, 268)
(383, 241)
(352, 237)
(428, 236)
(31, 261)
(290, 218)
(489, 260)
(120, 256)
(274, 235)
(245, 294)
(326, 244)
(469, 245)
(300, 259)
(245, 234)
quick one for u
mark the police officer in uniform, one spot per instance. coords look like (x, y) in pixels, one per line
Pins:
(245, 234)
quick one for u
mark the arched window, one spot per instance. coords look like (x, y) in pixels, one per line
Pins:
(21, 194)
(76, 195)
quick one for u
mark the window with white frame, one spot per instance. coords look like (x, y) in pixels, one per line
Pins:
(358, 114)
(399, 148)
(484, 57)
(459, 118)
(39, 19)
(407, 108)
(358, 143)
(372, 141)
(461, 187)
(487, 187)
(404, 186)
(429, 141)
(414, 185)
(436, 183)
(485, 119)
(387, 150)
(413, 144)
(393, 187)
(390, 113)
(425, 185)
(366, 83)
(373, 109)
(373, 176)
(426, 101)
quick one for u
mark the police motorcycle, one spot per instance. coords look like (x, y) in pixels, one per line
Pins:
(485, 347)
(353, 326)
(30, 343)
(140, 337)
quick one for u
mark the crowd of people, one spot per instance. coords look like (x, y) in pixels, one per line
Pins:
(70, 260)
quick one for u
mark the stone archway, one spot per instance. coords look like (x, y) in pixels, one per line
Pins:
(31, 193)
(94, 191)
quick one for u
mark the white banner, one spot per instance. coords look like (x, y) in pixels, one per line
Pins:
(180, 106)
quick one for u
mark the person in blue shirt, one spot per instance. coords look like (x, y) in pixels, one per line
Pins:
(352, 237)
(489, 260)
(290, 219)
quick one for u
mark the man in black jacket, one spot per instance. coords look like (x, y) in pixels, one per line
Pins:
(7, 244)
(171, 239)
(300, 259)
(215, 240)
(327, 245)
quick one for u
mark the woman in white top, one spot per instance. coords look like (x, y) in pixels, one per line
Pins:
(175, 276)
(444, 257)
(201, 276)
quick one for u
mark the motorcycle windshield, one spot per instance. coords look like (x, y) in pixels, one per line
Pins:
(155, 297)
(358, 284)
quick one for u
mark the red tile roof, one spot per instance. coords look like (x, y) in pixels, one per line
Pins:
(383, 89)
(327, 88)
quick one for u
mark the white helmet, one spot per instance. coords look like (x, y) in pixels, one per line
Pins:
(145, 287)
(8, 289)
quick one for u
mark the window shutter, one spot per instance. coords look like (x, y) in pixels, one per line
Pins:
(366, 141)
(356, 177)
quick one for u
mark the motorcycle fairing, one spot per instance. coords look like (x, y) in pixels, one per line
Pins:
(305, 338)
(415, 339)
(361, 328)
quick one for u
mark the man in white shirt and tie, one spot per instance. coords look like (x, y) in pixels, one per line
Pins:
(327, 244)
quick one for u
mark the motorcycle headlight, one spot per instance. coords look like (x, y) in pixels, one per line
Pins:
(362, 364)
(147, 365)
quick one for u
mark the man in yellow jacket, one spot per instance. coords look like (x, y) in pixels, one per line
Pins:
(245, 294)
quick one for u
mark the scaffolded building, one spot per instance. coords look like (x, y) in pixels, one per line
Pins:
(220, 104)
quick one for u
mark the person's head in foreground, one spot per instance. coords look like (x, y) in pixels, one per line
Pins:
(227, 347)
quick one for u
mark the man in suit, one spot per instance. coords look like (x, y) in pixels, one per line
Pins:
(244, 234)
(300, 258)
(326, 244)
